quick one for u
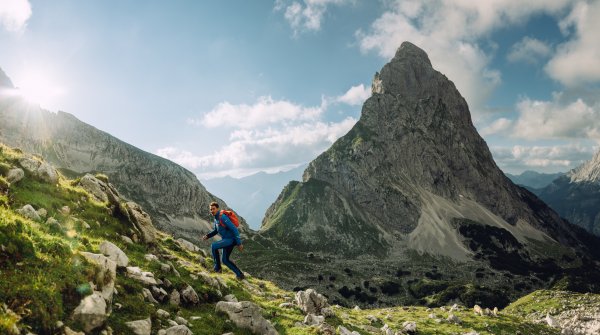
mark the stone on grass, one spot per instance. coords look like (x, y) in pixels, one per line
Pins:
(91, 312)
(179, 330)
(246, 315)
(113, 252)
(140, 327)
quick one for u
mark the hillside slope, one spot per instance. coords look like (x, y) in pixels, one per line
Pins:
(172, 195)
(58, 276)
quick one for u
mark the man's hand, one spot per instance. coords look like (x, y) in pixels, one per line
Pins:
(241, 247)
(205, 237)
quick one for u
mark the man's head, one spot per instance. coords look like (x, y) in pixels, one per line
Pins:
(214, 208)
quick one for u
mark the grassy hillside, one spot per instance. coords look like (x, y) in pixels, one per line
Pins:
(43, 276)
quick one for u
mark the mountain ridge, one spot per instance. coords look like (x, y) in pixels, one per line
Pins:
(172, 195)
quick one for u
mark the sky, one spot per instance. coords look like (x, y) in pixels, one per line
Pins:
(237, 87)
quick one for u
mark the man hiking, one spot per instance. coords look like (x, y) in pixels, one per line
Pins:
(230, 237)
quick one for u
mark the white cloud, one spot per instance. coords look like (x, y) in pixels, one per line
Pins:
(250, 151)
(355, 96)
(529, 50)
(578, 61)
(450, 32)
(501, 125)
(14, 14)
(557, 120)
(518, 158)
(263, 112)
(306, 16)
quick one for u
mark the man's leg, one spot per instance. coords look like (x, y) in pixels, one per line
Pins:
(226, 252)
(216, 256)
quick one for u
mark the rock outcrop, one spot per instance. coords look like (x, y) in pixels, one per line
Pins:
(247, 315)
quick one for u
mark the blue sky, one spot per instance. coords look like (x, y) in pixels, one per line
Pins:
(237, 87)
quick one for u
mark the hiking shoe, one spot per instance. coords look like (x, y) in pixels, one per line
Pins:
(218, 271)
(240, 278)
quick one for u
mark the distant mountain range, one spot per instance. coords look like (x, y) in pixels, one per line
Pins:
(576, 195)
(251, 196)
(533, 179)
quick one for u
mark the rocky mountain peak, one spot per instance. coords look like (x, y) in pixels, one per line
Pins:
(411, 52)
(413, 177)
(5, 80)
(588, 172)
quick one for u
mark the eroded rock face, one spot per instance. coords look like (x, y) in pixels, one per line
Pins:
(100, 190)
(246, 315)
(142, 221)
(311, 302)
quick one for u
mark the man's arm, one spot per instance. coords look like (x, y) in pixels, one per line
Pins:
(211, 234)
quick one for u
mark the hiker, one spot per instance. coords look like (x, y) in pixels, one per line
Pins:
(230, 237)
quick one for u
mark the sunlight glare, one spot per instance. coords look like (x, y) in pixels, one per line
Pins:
(38, 88)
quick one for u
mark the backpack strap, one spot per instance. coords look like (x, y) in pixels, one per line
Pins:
(221, 213)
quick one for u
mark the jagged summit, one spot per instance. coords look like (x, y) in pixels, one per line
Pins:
(588, 172)
(5, 80)
(409, 51)
(414, 178)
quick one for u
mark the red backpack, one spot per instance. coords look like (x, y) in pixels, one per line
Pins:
(232, 217)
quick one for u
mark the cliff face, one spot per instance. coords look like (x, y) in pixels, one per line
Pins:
(175, 199)
(413, 184)
(413, 144)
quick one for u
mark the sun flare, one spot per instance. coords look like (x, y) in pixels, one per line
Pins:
(39, 88)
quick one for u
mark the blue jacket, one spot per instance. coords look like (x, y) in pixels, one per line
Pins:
(230, 231)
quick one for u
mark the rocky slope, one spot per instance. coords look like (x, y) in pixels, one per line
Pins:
(172, 195)
(70, 264)
(410, 192)
(576, 196)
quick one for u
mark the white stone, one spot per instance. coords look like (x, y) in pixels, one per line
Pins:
(247, 315)
(113, 252)
(136, 273)
(161, 313)
(106, 274)
(15, 175)
(410, 327)
(29, 212)
(140, 327)
(179, 330)
(91, 312)
(313, 320)
(187, 245)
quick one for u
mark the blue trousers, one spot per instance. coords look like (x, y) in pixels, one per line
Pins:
(227, 245)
